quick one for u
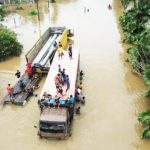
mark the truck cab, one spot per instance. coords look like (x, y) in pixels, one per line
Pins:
(54, 123)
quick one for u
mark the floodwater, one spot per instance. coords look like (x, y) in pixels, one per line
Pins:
(108, 121)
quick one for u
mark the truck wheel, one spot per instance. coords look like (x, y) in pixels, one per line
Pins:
(40, 137)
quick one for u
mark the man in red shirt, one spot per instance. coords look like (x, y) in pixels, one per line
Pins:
(58, 79)
(29, 72)
(10, 90)
(29, 64)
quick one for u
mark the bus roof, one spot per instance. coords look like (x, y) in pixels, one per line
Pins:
(71, 69)
(53, 115)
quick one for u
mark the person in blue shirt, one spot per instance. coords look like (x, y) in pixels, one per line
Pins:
(71, 99)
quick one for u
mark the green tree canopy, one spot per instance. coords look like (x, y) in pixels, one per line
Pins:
(9, 46)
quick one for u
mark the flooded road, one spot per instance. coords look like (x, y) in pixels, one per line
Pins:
(108, 121)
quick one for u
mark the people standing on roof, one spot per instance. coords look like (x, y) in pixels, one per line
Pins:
(70, 51)
(58, 79)
(18, 73)
(57, 85)
(10, 90)
(59, 68)
(60, 50)
(63, 76)
(60, 90)
(67, 83)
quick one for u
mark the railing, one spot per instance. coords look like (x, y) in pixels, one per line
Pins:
(30, 56)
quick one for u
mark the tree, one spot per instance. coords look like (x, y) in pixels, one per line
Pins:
(2, 13)
(135, 24)
(9, 46)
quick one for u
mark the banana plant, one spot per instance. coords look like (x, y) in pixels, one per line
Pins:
(146, 133)
(144, 117)
(146, 76)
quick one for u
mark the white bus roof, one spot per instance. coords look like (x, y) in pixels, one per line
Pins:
(71, 68)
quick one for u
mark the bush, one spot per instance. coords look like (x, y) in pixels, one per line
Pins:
(146, 133)
(9, 46)
(33, 13)
(144, 117)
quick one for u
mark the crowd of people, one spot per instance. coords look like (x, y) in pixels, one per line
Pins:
(62, 80)
(22, 83)
(62, 99)
(62, 84)
(56, 101)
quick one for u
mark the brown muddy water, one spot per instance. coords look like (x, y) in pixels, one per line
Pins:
(108, 121)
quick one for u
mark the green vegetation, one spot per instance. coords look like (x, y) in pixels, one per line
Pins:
(146, 133)
(18, 1)
(2, 13)
(33, 13)
(18, 7)
(9, 46)
(135, 23)
(144, 117)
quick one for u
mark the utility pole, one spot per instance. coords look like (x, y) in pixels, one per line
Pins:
(37, 6)
(48, 3)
